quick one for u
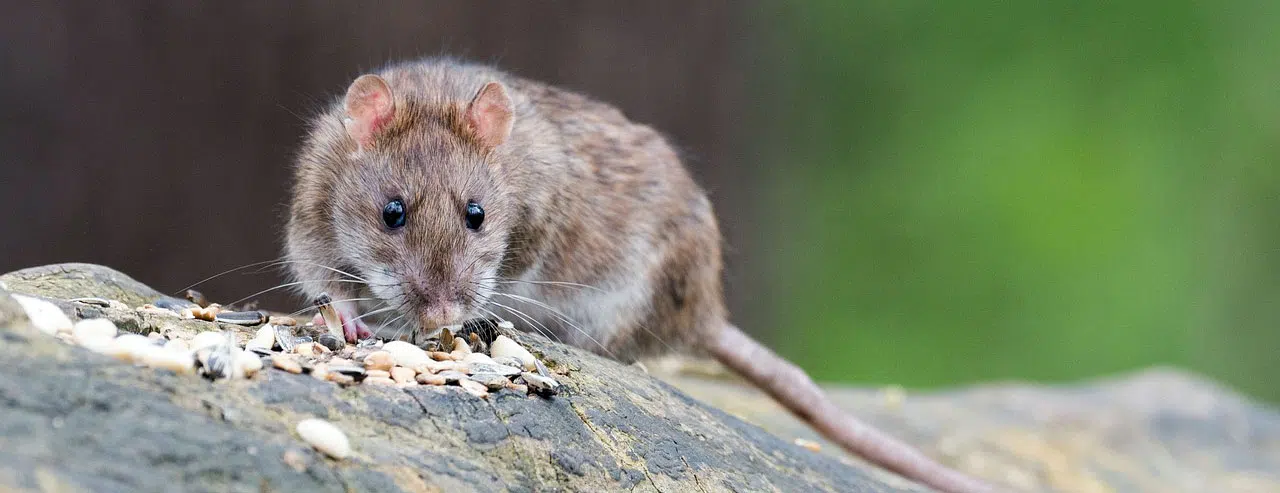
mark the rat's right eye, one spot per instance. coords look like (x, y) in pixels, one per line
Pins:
(393, 214)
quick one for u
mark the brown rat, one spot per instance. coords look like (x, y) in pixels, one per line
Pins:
(439, 191)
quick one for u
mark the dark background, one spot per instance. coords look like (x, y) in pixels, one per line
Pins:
(156, 137)
(911, 192)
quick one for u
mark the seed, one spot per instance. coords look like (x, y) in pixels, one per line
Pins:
(431, 379)
(402, 374)
(452, 377)
(286, 363)
(474, 388)
(377, 374)
(446, 338)
(295, 460)
(331, 342)
(493, 381)
(433, 366)
(181, 363)
(284, 338)
(247, 364)
(329, 314)
(504, 346)
(197, 298)
(480, 358)
(504, 370)
(383, 381)
(92, 301)
(442, 356)
(177, 346)
(173, 304)
(354, 372)
(809, 444)
(325, 437)
(521, 388)
(282, 320)
(320, 371)
(340, 379)
(44, 315)
(207, 339)
(266, 336)
(405, 354)
(541, 384)
(240, 318)
(460, 348)
(94, 328)
(379, 360)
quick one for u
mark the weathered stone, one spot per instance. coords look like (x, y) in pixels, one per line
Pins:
(611, 428)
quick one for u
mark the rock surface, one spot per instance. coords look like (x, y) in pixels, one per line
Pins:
(71, 420)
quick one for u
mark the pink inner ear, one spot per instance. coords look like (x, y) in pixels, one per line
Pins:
(490, 115)
(369, 107)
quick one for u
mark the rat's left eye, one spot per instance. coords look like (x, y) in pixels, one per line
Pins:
(475, 215)
(393, 214)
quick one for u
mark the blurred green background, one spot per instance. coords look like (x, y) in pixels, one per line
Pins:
(1005, 190)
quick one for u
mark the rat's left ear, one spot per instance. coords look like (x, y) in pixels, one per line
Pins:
(490, 115)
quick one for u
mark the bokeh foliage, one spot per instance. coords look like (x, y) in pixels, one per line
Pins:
(965, 191)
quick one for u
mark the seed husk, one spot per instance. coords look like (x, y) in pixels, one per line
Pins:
(325, 437)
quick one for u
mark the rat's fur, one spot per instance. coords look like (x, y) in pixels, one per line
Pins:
(586, 211)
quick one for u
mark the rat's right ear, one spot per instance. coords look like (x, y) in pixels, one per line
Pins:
(369, 107)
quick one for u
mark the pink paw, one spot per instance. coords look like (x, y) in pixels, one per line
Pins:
(353, 329)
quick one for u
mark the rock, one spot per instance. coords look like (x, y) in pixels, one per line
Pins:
(377, 374)
(379, 360)
(405, 354)
(44, 315)
(68, 281)
(325, 437)
(504, 346)
(83, 422)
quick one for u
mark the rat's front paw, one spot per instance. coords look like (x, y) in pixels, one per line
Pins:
(353, 327)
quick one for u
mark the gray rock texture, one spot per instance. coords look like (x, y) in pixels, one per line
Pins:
(71, 420)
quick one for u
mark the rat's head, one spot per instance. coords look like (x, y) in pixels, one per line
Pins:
(410, 193)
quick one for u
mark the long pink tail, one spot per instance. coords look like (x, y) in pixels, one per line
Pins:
(793, 388)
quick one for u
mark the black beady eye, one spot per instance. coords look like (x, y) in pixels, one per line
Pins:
(393, 214)
(475, 215)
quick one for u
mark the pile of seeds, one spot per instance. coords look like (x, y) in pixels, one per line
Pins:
(477, 364)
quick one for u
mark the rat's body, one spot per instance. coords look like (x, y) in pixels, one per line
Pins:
(587, 226)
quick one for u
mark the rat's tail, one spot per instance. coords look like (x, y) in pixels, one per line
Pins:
(791, 387)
